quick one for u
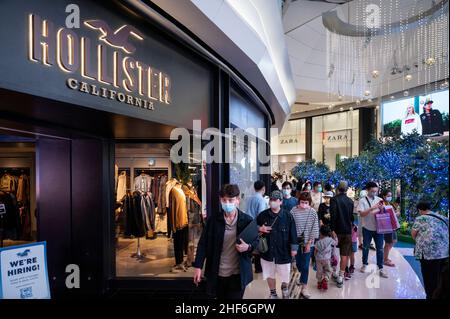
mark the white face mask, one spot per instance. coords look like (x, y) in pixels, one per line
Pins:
(274, 205)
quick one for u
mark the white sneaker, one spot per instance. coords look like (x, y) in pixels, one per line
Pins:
(271, 296)
(363, 268)
(340, 281)
(305, 293)
(285, 293)
(383, 273)
(335, 276)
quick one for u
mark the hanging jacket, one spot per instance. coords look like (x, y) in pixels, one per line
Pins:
(121, 186)
(178, 211)
(143, 183)
(23, 188)
(11, 220)
(135, 220)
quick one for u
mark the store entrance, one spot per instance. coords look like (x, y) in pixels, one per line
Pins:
(18, 224)
(159, 211)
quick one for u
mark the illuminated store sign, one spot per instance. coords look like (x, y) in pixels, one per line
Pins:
(340, 138)
(110, 73)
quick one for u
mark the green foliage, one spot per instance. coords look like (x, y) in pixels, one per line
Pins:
(182, 172)
(393, 128)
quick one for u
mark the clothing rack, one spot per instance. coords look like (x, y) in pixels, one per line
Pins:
(150, 171)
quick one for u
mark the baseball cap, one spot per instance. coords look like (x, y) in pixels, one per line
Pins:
(328, 194)
(276, 195)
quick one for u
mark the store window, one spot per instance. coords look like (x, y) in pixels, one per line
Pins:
(335, 137)
(159, 211)
(18, 223)
(289, 146)
(245, 166)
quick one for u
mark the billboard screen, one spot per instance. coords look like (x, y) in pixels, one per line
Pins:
(426, 114)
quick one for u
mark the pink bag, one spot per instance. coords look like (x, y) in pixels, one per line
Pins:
(394, 221)
(384, 224)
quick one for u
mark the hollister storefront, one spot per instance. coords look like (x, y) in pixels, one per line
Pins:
(86, 112)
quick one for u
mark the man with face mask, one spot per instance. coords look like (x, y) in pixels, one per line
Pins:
(228, 258)
(368, 207)
(278, 227)
(341, 209)
(289, 201)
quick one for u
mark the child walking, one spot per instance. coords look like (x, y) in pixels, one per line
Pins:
(323, 250)
(349, 271)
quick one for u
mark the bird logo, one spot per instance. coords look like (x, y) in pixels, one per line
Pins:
(118, 38)
(24, 253)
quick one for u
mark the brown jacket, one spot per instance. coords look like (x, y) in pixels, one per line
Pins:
(178, 209)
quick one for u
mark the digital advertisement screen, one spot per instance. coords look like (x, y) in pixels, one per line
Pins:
(426, 114)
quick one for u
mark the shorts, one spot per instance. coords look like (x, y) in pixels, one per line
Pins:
(270, 270)
(390, 238)
(345, 244)
(354, 247)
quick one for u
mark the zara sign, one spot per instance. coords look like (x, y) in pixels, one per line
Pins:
(340, 138)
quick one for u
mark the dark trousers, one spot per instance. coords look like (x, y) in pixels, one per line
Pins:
(229, 287)
(179, 244)
(431, 272)
(368, 235)
(258, 267)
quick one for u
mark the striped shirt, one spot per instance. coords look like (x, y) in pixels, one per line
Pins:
(306, 222)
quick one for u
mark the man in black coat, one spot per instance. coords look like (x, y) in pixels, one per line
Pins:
(228, 258)
(341, 210)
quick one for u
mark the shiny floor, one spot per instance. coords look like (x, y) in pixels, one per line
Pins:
(402, 283)
(157, 262)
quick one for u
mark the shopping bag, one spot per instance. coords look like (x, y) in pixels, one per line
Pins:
(384, 225)
(394, 221)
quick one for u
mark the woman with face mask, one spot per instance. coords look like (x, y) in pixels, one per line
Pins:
(278, 227)
(307, 187)
(391, 238)
(317, 195)
(307, 224)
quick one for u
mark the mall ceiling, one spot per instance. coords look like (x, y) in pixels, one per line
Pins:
(306, 39)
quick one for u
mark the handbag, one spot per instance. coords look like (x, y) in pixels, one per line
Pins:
(383, 221)
(394, 221)
(263, 246)
(384, 224)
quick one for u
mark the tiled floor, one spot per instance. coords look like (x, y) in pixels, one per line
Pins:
(158, 261)
(402, 283)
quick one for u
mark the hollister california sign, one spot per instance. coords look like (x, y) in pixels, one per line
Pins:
(113, 61)
(62, 48)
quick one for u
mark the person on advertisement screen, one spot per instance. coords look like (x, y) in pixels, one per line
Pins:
(411, 122)
(432, 123)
